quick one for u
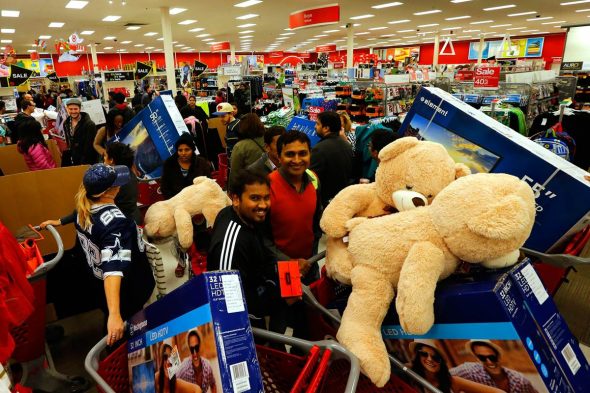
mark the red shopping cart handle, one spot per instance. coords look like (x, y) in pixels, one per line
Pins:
(320, 372)
(312, 359)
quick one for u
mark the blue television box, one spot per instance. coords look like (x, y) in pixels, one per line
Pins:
(306, 126)
(152, 134)
(509, 314)
(485, 145)
(197, 334)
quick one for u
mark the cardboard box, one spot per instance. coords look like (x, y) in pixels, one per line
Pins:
(163, 338)
(152, 134)
(485, 145)
(513, 311)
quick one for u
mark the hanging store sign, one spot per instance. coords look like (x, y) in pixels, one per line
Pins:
(232, 70)
(52, 77)
(199, 68)
(118, 76)
(325, 48)
(317, 16)
(277, 54)
(220, 46)
(572, 65)
(304, 55)
(18, 75)
(338, 66)
(142, 69)
(486, 78)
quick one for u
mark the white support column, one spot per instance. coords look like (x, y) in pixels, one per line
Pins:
(350, 46)
(94, 58)
(481, 42)
(371, 49)
(436, 50)
(232, 54)
(168, 51)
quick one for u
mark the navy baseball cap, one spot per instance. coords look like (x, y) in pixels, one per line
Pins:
(100, 177)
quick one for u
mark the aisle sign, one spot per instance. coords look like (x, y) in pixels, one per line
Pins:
(220, 46)
(199, 68)
(232, 70)
(572, 66)
(317, 16)
(118, 76)
(142, 69)
(486, 78)
(52, 77)
(325, 48)
(18, 75)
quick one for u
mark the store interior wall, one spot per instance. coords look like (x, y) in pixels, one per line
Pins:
(576, 48)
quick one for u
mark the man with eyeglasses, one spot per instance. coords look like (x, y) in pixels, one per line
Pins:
(489, 370)
(196, 369)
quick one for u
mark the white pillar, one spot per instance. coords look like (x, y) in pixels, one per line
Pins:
(350, 46)
(232, 54)
(168, 51)
(371, 50)
(94, 58)
(436, 50)
(481, 42)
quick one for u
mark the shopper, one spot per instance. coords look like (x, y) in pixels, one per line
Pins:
(182, 167)
(377, 141)
(192, 109)
(114, 124)
(238, 243)
(27, 107)
(118, 153)
(80, 132)
(250, 143)
(219, 97)
(122, 107)
(113, 246)
(331, 158)
(269, 160)
(196, 369)
(136, 100)
(346, 131)
(180, 100)
(226, 114)
(33, 147)
(3, 130)
(489, 369)
(428, 362)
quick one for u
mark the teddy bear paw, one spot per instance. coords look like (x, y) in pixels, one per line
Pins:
(417, 324)
(353, 222)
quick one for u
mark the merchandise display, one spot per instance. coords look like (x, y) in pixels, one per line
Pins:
(198, 334)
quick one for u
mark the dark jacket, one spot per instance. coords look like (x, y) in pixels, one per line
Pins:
(19, 119)
(197, 112)
(249, 255)
(331, 160)
(81, 140)
(173, 181)
(126, 200)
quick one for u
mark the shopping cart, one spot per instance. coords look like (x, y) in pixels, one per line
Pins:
(281, 372)
(31, 352)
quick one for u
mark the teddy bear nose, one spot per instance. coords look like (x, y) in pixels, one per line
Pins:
(418, 202)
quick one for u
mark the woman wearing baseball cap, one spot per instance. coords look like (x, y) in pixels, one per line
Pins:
(113, 247)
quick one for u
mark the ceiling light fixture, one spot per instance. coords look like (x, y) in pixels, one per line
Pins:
(203, 35)
(6, 41)
(10, 13)
(246, 36)
(459, 1)
(246, 32)
(453, 28)
(365, 16)
(44, 37)
(543, 18)
(320, 35)
(575, 2)
(247, 25)
(427, 12)
(500, 7)
(481, 22)
(386, 35)
(387, 5)
(111, 18)
(471, 31)
(553, 23)
(87, 32)
(405, 31)
(247, 16)
(458, 17)
(134, 28)
(151, 33)
(378, 28)
(429, 25)
(7, 31)
(362, 33)
(176, 11)
(504, 25)
(187, 22)
(207, 39)
(78, 5)
(247, 3)
(584, 10)
(126, 42)
(523, 13)
(108, 47)
(138, 45)
(196, 29)
(56, 24)
(110, 37)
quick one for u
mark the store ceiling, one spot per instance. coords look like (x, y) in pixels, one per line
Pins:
(216, 21)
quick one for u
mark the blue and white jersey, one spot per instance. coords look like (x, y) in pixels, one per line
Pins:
(112, 242)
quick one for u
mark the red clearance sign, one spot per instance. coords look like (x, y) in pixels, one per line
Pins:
(338, 66)
(486, 78)
(315, 16)
(464, 75)
(220, 46)
(325, 48)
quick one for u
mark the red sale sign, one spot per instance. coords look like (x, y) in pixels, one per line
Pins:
(325, 48)
(464, 75)
(486, 78)
(220, 46)
(317, 16)
(338, 66)
(277, 54)
(314, 111)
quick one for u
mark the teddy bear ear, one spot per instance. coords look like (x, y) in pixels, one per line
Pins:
(461, 170)
(503, 220)
(396, 148)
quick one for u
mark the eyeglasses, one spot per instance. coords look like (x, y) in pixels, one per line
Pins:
(491, 358)
(435, 358)
(194, 349)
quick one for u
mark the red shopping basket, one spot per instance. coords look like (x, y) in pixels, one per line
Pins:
(221, 176)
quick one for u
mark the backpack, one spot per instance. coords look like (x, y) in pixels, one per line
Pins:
(557, 141)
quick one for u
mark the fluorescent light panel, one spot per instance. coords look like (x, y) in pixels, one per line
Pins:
(427, 12)
(75, 4)
(366, 16)
(543, 18)
(499, 7)
(176, 11)
(504, 25)
(187, 22)
(196, 29)
(203, 35)
(387, 5)
(110, 37)
(151, 33)
(134, 28)
(247, 25)
(453, 28)
(247, 3)
(395, 22)
(553, 23)
(246, 32)
(523, 13)
(429, 25)
(44, 37)
(56, 24)
(481, 22)
(7, 31)
(458, 17)
(247, 16)
(575, 2)
(6, 41)
(10, 13)
(111, 18)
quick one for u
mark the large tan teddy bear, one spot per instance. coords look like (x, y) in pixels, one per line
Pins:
(410, 174)
(481, 218)
(174, 216)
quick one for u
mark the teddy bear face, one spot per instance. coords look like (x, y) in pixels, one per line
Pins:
(496, 216)
(425, 168)
(159, 221)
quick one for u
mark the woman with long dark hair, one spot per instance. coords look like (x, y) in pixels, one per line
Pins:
(115, 122)
(33, 147)
(250, 144)
(165, 384)
(429, 362)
